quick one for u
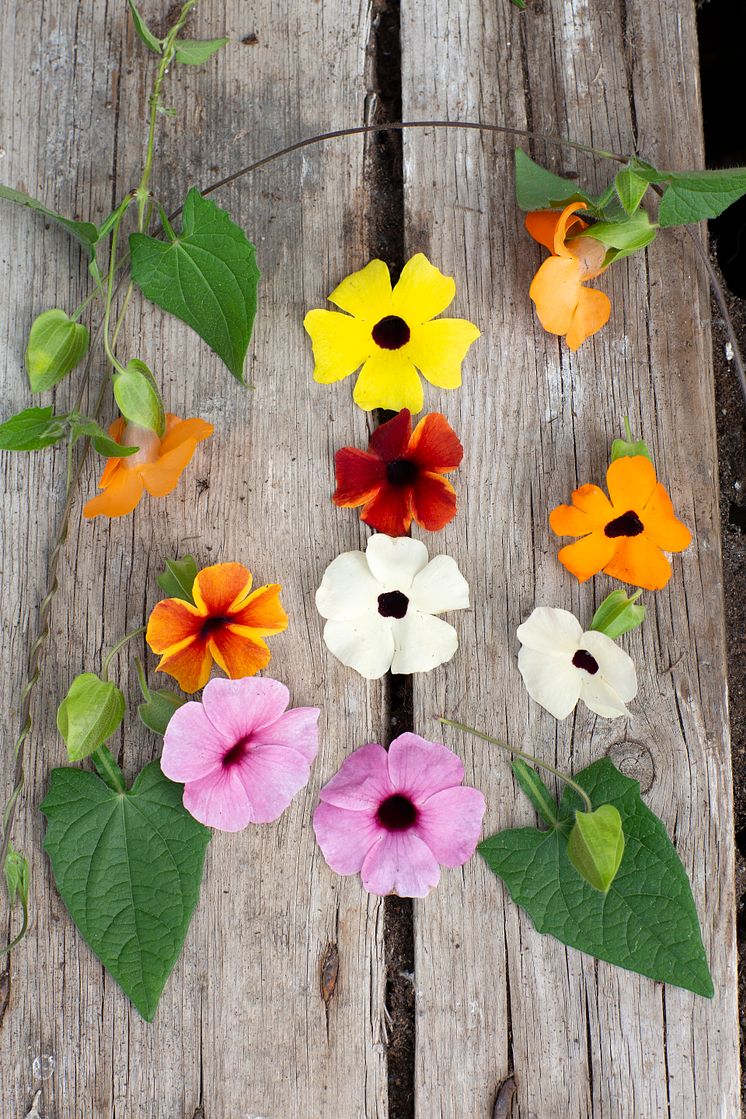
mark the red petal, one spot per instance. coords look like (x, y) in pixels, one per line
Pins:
(390, 511)
(433, 501)
(359, 476)
(390, 440)
(435, 445)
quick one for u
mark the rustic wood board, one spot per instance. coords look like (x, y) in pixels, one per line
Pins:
(583, 1038)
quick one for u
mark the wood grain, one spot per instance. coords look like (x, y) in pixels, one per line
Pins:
(583, 1038)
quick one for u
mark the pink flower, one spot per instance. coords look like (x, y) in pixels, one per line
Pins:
(396, 816)
(241, 756)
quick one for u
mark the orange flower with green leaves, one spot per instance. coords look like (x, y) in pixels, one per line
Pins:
(625, 534)
(226, 623)
(564, 304)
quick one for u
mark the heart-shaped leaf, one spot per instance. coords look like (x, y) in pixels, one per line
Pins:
(129, 867)
(696, 195)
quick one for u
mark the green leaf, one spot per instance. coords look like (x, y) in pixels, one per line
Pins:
(16, 877)
(207, 277)
(536, 791)
(693, 196)
(630, 188)
(647, 922)
(178, 578)
(628, 236)
(539, 189)
(101, 441)
(618, 614)
(193, 52)
(83, 231)
(521, 4)
(137, 395)
(143, 31)
(32, 429)
(129, 867)
(55, 346)
(596, 846)
(89, 714)
(157, 710)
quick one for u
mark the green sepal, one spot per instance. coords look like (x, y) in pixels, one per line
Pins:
(56, 344)
(618, 613)
(137, 395)
(143, 31)
(178, 578)
(89, 714)
(193, 52)
(595, 845)
(84, 232)
(536, 791)
(629, 447)
(630, 188)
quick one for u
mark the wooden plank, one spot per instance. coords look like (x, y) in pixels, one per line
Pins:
(583, 1038)
(242, 1028)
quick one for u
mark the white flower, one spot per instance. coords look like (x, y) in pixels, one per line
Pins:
(560, 665)
(380, 605)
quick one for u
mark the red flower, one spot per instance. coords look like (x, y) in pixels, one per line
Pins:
(400, 477)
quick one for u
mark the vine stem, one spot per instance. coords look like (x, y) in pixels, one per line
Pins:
(526, 757)
(116, 648)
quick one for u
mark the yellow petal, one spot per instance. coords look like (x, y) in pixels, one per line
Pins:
(437, 348)
(340, 344)
(389, 380)
(422, 291)
(365, 294)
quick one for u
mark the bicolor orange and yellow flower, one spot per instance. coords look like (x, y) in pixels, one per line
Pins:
(564, 304)
(391, 333)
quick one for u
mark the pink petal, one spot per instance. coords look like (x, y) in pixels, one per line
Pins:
(271, 776)
(401, 863)
(192, 747)
(450, 822)
(344, 836)
(237, 707)
(362, 780)
(420, 768)
(297, 728)
(219, 800)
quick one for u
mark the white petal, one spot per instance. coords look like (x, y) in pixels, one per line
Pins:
(548, 630)
(614, 665)
(365, 644)
(422, 642)
(348, 589)
(599, 695)
(552, 681)
(439, 587)
(395, 561)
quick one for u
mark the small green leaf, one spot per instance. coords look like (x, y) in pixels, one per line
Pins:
(693, 196)
(618, 614)
(630, 188)
(55, 346)
(521, 4)
(596, 845)
(157, 710)
(536, 791)
(629, 447)
(178, 578)
(207, 277)
(101, 441)
(138, 398)
(143, 31)
(16, 877)
(129, 867)
(89, 714)
(32, 429)
(628, 236)
(539, 189)
(84, 232)
(193, 52)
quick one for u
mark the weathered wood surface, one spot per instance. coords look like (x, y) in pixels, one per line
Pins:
(242, 1030)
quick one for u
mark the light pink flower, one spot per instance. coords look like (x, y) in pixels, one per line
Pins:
(396, 816)
(241, 756)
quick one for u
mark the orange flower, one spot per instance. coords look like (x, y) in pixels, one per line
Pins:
(226, 624)
(563, 304)
(155, 467)
(625, 534)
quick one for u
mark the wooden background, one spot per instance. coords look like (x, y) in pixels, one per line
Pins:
(242, 1030)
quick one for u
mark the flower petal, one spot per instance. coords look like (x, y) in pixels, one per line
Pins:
(345, 837)
(421, 643)
(179, 432)
(450, 823)
(661, 524)
(162, 476)
(567, 223)
(615, 666)
(261, 613)
(588, 556)
(189, 663)
(400, 863)
(640, 562)
(389, 380)
(390, 510)
(630, 481)
(359, 477)
(361, 782)
(433, 501)
(551, 631)
(237, 708)
(599, 696)
(591, 313)
(219, 588)
(271, 777)
(171, 622)
(421, 768)
(555, 289)
(434, 445)
(422, 291)
(124, 490)
(395, 562)
(365, 294)
(193, 747)
(551, 681)
(340, 344)
(219, 800)
(297, 729)
(365, 644)
(348, 589)
(438, 348)
(439, 587)
(390, 441)
(238, 652)
(590, 509)
(541, 225)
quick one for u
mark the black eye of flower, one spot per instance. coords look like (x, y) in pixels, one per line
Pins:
(397, 813)
(401, 472)
(392, 604)
(583, 659)
(391, 333)
(629, 524)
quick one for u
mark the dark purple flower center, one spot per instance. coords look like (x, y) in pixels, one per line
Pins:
(629, 524)
(401, 472)
(391, 333)
(583, 659)
(397, 813)
(211, 624)
(392, 604)
(237, 753)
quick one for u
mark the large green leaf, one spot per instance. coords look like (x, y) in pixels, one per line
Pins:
(83, 231)
(128, 867)
(647, 922)
(693, 196)
(539, 189)
(207, 276)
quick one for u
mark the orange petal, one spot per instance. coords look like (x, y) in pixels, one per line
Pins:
(638, 561)
(219, 589)
(592, 312)
(122, 493)
(662, 526)
(237, 654)
(591, 509)
(171, 623)
(162, 476)
(182, 431)
(588, 556)
(541, 224)
(261, 614)
(555, 289)
(630, 481)
(567, 224)
(189, 664)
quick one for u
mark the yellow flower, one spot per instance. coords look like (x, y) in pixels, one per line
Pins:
(391, 334)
